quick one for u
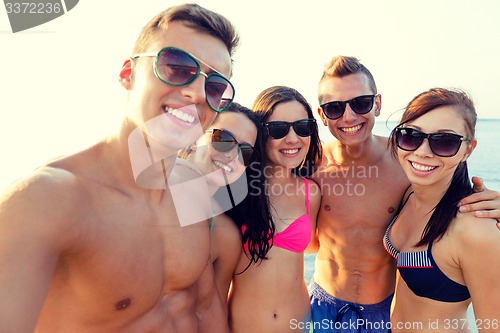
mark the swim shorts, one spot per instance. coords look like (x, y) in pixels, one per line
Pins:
(330, 314)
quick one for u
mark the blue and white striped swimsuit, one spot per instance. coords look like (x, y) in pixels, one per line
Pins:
(422, 274)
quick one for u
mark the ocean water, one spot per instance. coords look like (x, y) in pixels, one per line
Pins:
(484, 162)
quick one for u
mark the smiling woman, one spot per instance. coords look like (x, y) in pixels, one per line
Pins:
(269, 296)
(225, 160)
(441, 254)
(72, 97)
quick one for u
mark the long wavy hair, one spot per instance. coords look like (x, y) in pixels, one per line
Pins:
(255, 210)
(252, 212)
(460, 186)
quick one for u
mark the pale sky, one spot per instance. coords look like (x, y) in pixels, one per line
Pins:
(60, 93)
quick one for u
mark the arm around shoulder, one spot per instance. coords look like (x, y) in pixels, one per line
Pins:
(32, 236)
(479, 256)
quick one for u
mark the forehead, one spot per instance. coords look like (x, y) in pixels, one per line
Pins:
(242, 128)
(203, 46)
(444, 118)
(343, 88)
(288, 111)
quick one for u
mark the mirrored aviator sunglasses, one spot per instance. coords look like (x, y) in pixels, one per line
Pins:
(279, 129)
(441, 144)
(223, 142)
(177, 67)
(360, 105)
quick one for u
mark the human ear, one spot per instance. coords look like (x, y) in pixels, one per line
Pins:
(322, 116)
(470, 149)
(378, 104)
(126, 74)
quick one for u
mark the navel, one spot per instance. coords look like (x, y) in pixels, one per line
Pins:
(123, 304)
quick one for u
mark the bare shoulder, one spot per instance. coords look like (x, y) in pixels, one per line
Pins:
(471, 231)
(226, 241)
(42, 203)
(46, 186)
(225, 232)
(314, 191)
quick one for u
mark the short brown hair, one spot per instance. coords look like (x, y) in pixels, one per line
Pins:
(341, 66)
(194, 16)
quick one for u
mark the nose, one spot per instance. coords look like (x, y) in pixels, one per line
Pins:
(195, 91)
(349, 115)
(291, 136)
(424, 150)
(229, 156)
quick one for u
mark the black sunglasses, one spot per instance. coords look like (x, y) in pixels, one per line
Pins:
(223, 141)
(441, 144)
(360, 105)
(279, 129)
(177, 67)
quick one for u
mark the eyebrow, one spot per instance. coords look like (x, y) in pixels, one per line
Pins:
(442, 130)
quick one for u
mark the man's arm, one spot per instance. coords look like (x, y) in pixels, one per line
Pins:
(30, 243)
(211, 315)
(484, 203)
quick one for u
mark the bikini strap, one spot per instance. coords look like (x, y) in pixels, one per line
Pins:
(404, 200)
(211, 218)
(306, 182)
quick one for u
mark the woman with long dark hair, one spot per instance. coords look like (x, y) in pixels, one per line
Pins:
(445, 258)
(272, 296)
(211, 179)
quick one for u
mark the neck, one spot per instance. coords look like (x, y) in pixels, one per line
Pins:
(138, 162)
(279, 175)
(427, 197)
(364, 153)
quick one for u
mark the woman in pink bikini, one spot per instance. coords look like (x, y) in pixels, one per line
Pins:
(271, 296)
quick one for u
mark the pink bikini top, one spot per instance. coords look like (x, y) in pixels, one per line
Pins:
(297, 235)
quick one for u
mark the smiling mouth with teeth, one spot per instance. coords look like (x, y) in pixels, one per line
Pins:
(290, 151)
(222, 166)
(350, 130)
(180, 115)
(421, 167)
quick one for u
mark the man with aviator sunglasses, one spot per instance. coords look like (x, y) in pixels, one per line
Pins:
(85, 247)
(362, 187)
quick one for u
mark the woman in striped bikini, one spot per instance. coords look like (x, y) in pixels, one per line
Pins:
(446, 259)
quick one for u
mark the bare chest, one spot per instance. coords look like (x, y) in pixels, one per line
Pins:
(130, 258)
(359, 197)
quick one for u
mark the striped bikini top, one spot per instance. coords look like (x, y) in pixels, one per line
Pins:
(423, 276)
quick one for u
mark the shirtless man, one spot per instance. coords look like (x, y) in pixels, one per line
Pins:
(83, 247)
(362, 187)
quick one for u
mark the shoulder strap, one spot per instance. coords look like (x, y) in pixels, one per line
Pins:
(405, 198)
(306, 182)
(211, 223)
